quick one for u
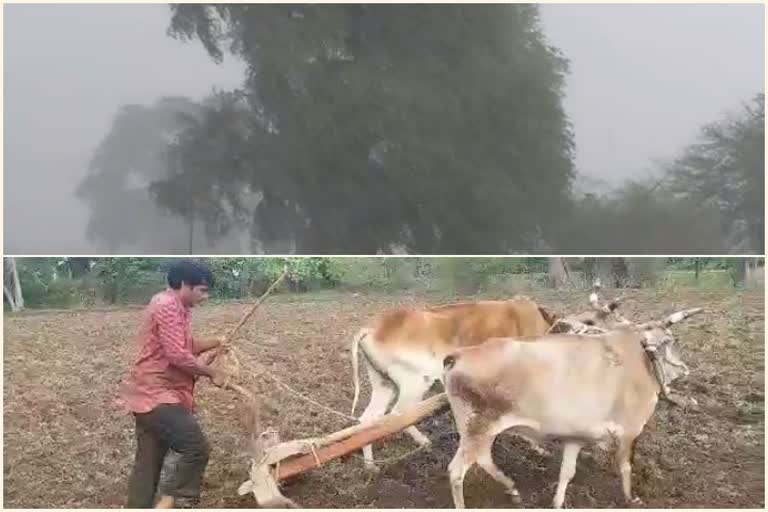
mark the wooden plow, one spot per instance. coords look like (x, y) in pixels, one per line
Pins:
(274, 461)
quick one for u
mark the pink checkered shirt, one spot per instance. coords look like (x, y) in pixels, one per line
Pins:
(165, 350)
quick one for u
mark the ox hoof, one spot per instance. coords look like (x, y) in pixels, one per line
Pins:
(636, 502)
(515, 496)
(279, 502)
(372, 468)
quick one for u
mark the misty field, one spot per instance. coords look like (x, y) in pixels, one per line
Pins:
(66, 445)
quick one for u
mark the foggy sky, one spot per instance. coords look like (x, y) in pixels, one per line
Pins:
(67, 70)
(643, 79)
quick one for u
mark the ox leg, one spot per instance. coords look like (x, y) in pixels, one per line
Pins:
(567, 470)
(381, 396)
(464, 458)
(624, 456)
(485, 460)
(411, 391)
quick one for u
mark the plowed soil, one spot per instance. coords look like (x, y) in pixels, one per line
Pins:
(66, 445)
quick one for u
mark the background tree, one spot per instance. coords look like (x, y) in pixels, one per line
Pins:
(206, 148)
(640, 218)
(131, 156)
(365, 130)
(726, 169)
(138, 196)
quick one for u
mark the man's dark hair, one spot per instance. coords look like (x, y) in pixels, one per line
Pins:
(192, 273)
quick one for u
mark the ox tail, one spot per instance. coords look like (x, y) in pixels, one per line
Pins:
(355, 365)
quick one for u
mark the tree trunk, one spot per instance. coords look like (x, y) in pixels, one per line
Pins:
(191, 234)
(642, 272)
(111, 291)
(9, 297)
(619, 272)
(559, 275)
(602, 269)
(78, 267)
(751, 271)
(13, 290)
(739, 271)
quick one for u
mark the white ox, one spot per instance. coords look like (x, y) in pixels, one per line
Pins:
(578, 388)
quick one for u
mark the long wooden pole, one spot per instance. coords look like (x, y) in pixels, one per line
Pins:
(231, 334)
(255, 306)
(342, 442)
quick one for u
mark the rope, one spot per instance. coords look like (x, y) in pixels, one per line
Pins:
(234, 367)
(398, 458)
(282, 384)
(307, 399)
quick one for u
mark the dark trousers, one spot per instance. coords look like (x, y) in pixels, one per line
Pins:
(167, 427)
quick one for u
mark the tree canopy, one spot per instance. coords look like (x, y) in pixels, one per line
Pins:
(368, 126)
(725, 168)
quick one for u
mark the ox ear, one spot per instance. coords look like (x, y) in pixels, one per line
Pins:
(548, 317)
(245, 488)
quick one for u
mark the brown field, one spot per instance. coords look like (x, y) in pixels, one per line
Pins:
(65, 445)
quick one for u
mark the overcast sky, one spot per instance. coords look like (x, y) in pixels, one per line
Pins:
(643, 79)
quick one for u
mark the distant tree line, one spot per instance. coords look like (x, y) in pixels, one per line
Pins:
(61, 282)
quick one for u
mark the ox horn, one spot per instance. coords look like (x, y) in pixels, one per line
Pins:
(672, 319)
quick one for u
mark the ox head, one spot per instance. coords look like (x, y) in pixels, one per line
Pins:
(656, 338)
(661, 344)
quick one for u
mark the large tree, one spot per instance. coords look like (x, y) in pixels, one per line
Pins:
(132, 156)
(439, 128)
(203, 174)
(726, 169)
(133, 168)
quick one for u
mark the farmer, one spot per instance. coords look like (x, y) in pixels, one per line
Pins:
(159, 388)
